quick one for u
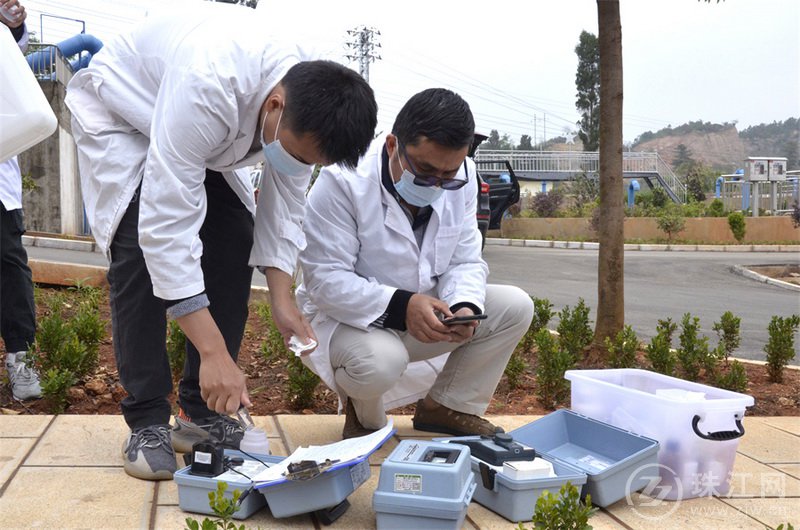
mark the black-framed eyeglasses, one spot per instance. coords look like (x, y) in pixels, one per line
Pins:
(432, 180)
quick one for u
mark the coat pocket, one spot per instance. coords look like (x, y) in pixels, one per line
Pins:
(447, 239)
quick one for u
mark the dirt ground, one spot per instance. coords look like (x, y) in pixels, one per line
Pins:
(100, 393)
(784, 273)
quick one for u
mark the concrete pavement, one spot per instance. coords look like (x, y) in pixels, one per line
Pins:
(66, 472)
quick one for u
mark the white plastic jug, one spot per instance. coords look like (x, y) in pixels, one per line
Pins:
(25, 114)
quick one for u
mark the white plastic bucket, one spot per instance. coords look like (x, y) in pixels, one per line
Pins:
(25, 114)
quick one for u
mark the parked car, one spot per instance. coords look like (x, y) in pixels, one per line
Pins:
(497, 191)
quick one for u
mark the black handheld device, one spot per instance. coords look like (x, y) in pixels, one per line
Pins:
(207, 459)
(462, 319)
(497, 449)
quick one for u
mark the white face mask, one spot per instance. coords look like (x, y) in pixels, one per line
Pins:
(279, 158)
(412, 193)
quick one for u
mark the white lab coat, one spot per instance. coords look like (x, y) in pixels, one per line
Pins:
(159, 106)
(361, 248)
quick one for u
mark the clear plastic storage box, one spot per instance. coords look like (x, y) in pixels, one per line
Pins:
(698, 426)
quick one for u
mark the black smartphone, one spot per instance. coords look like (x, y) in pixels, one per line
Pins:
(462, 319)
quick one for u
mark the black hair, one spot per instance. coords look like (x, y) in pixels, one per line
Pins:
(333, 104)
(437, 114)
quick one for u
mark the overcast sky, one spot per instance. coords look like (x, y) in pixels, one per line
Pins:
(514, 62)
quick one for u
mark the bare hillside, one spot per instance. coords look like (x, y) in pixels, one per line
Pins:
(723, 150)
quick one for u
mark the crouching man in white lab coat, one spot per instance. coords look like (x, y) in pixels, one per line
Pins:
(162, 118)
(392, 247)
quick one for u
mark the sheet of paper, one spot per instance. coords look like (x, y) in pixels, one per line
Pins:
(343, 451)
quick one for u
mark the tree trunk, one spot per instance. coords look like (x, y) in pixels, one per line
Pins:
(610, 270)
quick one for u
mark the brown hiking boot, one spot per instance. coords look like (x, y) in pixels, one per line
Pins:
(352, 427)
(449, 421)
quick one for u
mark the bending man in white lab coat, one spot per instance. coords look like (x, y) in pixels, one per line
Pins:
(162, 118)
(392, 247)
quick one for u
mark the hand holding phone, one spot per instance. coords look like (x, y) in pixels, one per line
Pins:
(462, 319)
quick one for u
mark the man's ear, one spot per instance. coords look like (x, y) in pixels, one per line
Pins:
(276, 99)
(391, 143)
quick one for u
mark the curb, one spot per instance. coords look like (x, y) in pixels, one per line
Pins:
(591, 245)
(68, 274)
(747, 273)
(87, 244)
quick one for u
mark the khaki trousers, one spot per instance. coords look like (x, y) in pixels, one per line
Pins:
(368, 363)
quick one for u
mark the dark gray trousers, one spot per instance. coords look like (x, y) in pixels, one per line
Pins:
(139, 320)
(17, 310)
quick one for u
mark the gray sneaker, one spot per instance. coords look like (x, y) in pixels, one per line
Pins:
(221, 428)
(24, 379)
(148, 453)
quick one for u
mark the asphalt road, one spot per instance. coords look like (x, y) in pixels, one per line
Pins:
(658, 285)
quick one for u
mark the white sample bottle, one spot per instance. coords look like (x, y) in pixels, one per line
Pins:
(255, 441)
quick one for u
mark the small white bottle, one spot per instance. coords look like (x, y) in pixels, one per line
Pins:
(255, 441)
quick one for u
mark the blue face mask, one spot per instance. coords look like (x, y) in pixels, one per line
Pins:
(279, 158)
(411, 193)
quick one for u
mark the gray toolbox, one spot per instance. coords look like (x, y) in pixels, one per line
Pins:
(616, 462)
(515, 499)
(425, 485)
(326, 491)
(193, 490)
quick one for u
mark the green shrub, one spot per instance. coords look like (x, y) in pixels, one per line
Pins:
(552, 362)
(87, 293)
(542, 313)
(728, 332)
(52, 333)
(301, 383)
(564, 512)
(574, 331)
(176, 349)
(223, 507)
(514, 369)
(67, 341)
(273, 347)
(55, 384)
(660, 356)
(780, 346)
(692, 209)
(737, 225)
(659, 352)
(734, 379)
(622, 350)
(693, 349)
(90, 330)
(547, 204)
(660, 197)
(671, 222)
(716, 209)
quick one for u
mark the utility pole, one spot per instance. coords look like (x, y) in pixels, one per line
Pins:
(362, 46)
